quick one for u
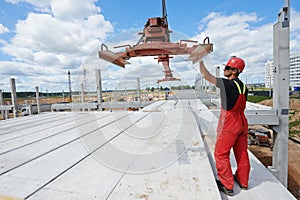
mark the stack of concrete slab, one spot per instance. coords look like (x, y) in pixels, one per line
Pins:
(163, 151)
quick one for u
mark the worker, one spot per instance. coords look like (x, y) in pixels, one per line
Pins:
(232, 127)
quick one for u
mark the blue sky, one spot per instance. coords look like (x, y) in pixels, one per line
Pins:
(184, 17)
(40, 40)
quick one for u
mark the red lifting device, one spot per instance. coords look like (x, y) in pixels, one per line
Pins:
(155, 41)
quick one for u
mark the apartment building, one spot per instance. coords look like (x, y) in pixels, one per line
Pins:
(294, 72)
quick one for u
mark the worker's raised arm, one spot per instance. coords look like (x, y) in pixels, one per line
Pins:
(206, 74)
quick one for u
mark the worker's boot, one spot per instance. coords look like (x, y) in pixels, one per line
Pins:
(242, 187)
(222, 188)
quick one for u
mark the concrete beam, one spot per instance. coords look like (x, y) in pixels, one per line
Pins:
(281, 56)
(72, 106)
(13, 96)
(37, 99)
(99, 87)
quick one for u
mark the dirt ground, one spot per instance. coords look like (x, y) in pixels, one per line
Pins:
(264, 154)
(294, 115)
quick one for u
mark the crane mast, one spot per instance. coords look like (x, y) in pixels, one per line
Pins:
(164, 11)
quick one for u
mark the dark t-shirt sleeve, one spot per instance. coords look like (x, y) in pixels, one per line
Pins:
(229, 92)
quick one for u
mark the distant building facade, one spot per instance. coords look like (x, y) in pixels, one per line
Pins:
(294, 72)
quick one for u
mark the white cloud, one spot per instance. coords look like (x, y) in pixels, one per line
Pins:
(3, 29)
(295, 20)
(67, 9)
(61, 39)
(65, 35)
(42, 32)
(295, 32)
(63, 9)
(30, 75)
(238, 34)
(41, 5)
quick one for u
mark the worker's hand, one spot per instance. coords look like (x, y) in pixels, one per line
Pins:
(200, 52)
(205, 73)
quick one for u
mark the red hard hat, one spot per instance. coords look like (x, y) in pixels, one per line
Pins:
(237, 63)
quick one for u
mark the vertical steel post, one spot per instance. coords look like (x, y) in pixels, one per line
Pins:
(63, 95)
(70, 89)
(37, 99)
(139, 92)
(1, 104)
(218, 75)
(82, 93)
(14, 96)
(281, 60)
(158, 89)
(30, 109)
(84, 78)
(210, 86)
(201, 84)
(99, 87)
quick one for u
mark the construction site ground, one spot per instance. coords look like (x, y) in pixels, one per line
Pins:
(264, 154)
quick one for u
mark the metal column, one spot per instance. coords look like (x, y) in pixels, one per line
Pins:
(281, 57)
(2, 103)
(139, 93)
(218, 76)
(82, 93)
(37, 99)
(99, 87)
(14, 96)
(70, 89)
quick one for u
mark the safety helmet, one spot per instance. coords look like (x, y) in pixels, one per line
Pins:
(235, 62)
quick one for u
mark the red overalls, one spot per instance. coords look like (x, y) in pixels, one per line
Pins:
(232, 133)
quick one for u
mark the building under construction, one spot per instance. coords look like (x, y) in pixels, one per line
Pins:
(163, 151)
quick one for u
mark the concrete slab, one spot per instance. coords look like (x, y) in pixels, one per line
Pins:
(262, 184)
(163, 151)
